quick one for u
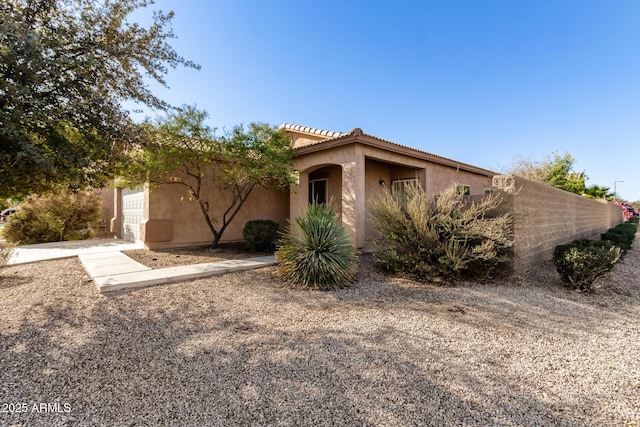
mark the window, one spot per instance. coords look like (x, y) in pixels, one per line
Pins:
(318, 191)
(463, 189)
(399, 186)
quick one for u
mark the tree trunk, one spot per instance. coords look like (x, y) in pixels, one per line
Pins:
(216, 240)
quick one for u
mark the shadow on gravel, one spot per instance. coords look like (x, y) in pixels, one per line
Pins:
(188, 363)
(246, 351)
(519, 307)
(8, 281)
(211, 369)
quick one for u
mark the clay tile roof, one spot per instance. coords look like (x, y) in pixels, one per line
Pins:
(312, 131)
(332, 136)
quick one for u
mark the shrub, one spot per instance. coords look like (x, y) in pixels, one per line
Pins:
(628, 228)
(448, 237)
(617, 239)
(5, 254)
(261, 234)
(581, 262)
(5, 203)
(318, 252)
(65, 216)
(622, 235)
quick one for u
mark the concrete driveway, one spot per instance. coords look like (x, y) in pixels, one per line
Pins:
(57, 250)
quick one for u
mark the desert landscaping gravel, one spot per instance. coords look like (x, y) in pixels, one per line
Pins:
(191, 255)
(247, 349)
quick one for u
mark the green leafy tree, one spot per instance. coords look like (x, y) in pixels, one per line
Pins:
(183, 150)
(65, 68)
(555, 170)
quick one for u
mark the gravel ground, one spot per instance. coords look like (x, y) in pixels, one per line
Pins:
(192, 255)
(246, 349)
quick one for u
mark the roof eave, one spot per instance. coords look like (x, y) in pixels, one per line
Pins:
(361, 138)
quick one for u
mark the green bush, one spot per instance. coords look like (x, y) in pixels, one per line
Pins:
(617, 239)
(318, 252)
(627, 228)
(261, 234)
(65, 216)
(622, 235)
(581, 262)
(447, 237)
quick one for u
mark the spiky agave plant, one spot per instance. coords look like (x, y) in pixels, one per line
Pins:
(318, 252)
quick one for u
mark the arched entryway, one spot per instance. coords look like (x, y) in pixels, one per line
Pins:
(325, 185)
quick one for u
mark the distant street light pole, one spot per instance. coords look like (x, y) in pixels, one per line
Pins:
(614, 189)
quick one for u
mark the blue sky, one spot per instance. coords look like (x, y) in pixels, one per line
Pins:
(482, 82)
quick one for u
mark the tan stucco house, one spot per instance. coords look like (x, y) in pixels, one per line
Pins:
(346, 169)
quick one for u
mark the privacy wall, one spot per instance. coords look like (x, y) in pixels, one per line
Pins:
(545, 217)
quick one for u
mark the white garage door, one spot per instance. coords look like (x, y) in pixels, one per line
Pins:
(132, 212)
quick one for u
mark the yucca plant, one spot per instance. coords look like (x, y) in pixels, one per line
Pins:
(318, 252)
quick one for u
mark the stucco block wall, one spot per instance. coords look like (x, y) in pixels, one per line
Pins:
(545, 217)
(173, 219)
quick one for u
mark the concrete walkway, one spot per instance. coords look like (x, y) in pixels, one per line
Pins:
(112, 270)
(58, 250)
(115, 271)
